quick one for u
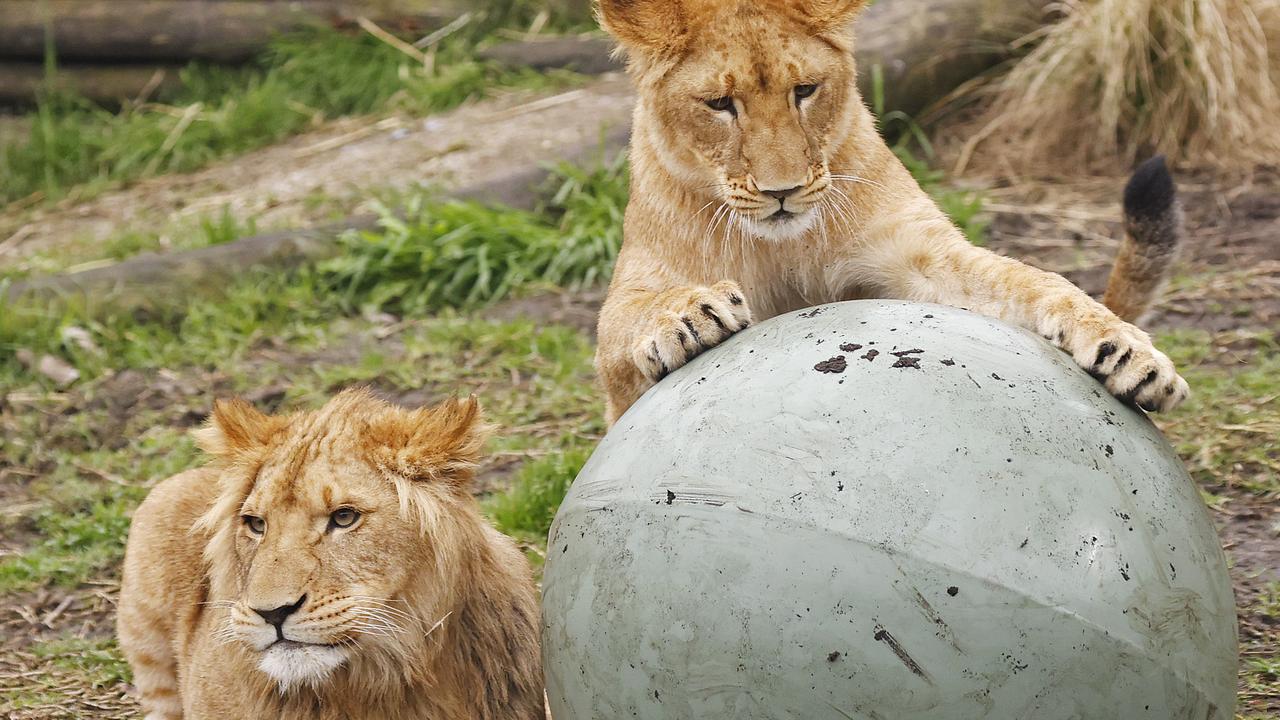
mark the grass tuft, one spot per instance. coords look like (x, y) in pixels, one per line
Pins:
(1116, 79)
(459, 254)
(527, 509)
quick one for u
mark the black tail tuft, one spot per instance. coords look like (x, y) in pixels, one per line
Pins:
(1150, 195)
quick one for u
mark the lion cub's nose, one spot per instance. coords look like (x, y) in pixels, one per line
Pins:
(783, 194)
(277, 616)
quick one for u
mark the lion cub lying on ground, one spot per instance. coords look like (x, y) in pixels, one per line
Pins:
(330, 564)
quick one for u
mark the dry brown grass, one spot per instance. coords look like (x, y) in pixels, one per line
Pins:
(1198, 80)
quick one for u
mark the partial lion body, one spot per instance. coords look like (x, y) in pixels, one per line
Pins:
(699, 262)
(160, 611)
(480, 661)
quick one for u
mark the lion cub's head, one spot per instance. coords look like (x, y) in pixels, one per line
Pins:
(746, 97)
(341, 536)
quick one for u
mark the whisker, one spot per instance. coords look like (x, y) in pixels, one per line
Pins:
(439, 623)
(842, 206)
(370, 603)
(858, 179)
(720, 215)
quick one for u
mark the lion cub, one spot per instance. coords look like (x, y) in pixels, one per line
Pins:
(330, 564)
(759, 186)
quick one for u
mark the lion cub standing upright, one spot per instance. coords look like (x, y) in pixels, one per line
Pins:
(330, 565)
(760, 185)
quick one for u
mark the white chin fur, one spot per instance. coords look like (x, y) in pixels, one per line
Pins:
(778, 230)
(292, 664)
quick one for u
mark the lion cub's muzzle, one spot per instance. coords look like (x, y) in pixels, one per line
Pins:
(779, 211)
(779, 200)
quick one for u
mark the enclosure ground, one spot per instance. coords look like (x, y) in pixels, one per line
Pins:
(79, 459)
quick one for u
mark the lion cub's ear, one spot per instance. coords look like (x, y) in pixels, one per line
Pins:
(442, 443)
(655, 26)
(236, 427)
(829, 16)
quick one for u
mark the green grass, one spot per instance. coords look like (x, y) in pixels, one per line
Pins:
(527, 509)
(1226, 430)
(96, 661)
(427, 254)
(445, 254)
(87, 495)
(78, 147)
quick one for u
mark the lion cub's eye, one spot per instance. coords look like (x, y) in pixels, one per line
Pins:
(722, 104)
(804, 91)
(256, 525)
(343, 518)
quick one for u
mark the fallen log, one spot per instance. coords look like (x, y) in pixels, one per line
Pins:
(925, 49)
(921, 50)
(589, 55)
(20, 83)
(175, 30)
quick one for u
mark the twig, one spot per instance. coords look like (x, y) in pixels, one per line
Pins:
(372, 28)
(184, 122)
(101, 474)
(55, 613)
(144, 94)
(358, 134)
(536, 105)
(454, 25)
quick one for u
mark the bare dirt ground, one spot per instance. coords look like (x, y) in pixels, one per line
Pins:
(336, 168)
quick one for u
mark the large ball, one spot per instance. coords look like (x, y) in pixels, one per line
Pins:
(886, 510)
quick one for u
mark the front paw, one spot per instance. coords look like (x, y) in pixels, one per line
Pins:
(1122, 357)
(689, 322)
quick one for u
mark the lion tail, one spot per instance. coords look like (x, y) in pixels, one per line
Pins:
(1153, 237)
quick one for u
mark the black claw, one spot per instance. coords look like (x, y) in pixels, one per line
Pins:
(711, 313)
(693, 332)
(1130, 395)
(690, 349)
(1150, 378)
(1124, 359)
(1105, 350)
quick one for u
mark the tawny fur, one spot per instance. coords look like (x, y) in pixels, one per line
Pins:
(432, 613)
(1153, 236)
(701, 258)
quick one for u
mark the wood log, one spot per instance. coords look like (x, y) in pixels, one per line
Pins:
(921, 49)
(925, 49)
(587, 55)
(20, 83)
(176, 30)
